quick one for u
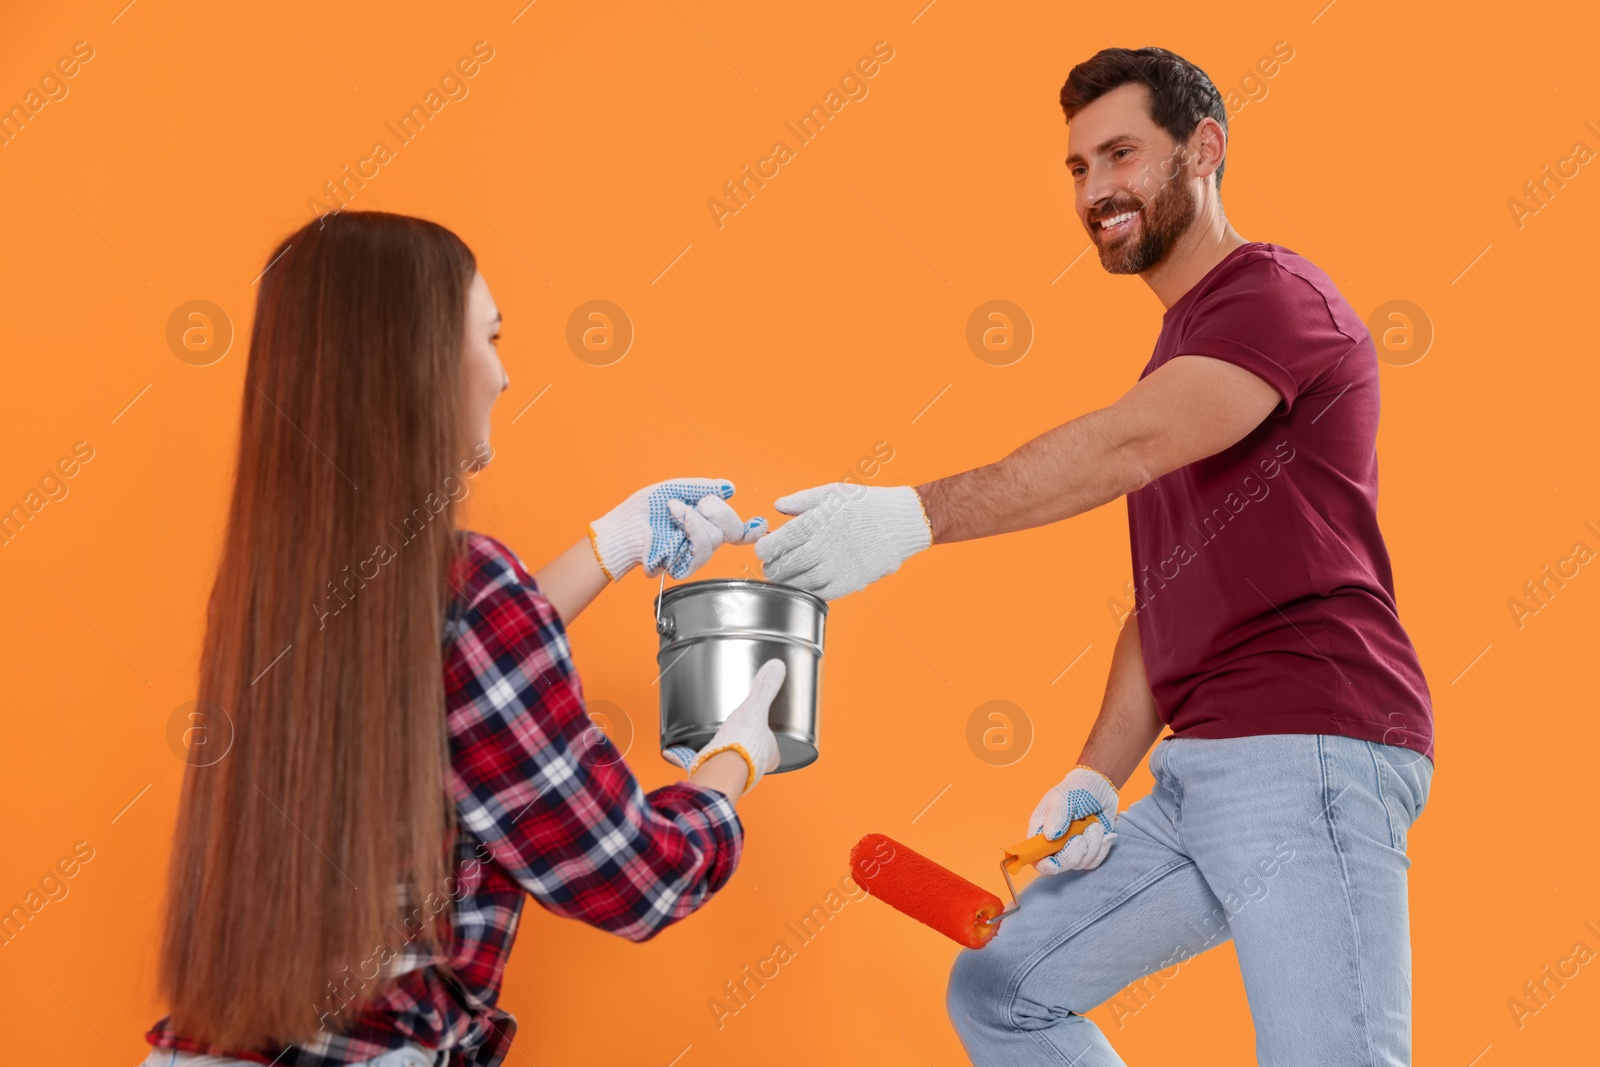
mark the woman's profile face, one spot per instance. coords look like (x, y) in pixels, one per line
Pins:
(484, 379)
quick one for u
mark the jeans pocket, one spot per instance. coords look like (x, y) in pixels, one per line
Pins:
(1422, 769)
(1404, 777)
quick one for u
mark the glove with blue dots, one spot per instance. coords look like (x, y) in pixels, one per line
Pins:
(673, 526)
(1083, 792)
(682, 755)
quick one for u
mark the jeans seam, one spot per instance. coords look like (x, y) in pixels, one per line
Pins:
(1045, 1044)
(1128, 893)
(1344, 883)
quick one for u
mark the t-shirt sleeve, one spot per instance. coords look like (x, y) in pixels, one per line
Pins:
(553, 800)
(1272, 323)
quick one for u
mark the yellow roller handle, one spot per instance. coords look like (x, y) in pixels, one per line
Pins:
(1037, 847)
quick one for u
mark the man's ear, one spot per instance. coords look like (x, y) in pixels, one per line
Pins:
(1209, 146)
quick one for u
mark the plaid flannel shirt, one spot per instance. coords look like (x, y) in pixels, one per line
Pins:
(545, 807)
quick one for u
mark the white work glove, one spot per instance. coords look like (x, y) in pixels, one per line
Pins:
(673, 525)
(1084, 791)
(844, 538)
(744, 731)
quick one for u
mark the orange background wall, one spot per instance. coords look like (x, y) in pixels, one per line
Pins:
(777, 350)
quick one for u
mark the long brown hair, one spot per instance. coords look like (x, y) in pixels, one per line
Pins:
(323, 637)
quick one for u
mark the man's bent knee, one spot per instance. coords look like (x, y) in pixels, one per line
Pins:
(977, 993)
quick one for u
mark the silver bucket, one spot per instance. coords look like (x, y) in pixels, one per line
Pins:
(715, 635)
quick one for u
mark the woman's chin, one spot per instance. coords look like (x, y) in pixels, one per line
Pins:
(481, 456)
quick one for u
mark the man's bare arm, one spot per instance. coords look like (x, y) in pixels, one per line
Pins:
(1190, 408)
(1128, 723)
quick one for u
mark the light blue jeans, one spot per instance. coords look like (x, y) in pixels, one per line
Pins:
(410, 1056)
(1292, 845)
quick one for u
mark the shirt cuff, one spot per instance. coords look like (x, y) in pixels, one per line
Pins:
(1242, 355)
(708, 817)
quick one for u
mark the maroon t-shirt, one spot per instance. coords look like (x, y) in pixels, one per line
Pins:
(1263, 590)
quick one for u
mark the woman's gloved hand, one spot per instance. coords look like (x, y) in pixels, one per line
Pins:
(844, 537)
(744, 731)
(1084, 791)
(673, 526)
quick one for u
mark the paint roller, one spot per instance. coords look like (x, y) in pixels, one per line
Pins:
(938, 897)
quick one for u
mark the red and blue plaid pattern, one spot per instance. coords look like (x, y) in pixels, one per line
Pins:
(545, 808)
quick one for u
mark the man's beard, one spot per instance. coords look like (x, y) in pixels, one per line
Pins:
(1162, 220)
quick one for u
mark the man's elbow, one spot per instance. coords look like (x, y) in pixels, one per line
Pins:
(1162, 451)
(1134, 462)
(1139, 475)
(1127, 453)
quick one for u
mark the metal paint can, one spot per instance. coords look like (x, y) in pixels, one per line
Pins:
(715, 635)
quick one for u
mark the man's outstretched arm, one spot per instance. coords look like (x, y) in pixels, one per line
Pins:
(1190, 408)
(845, 536)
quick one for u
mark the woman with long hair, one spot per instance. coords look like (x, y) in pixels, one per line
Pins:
(410, 753)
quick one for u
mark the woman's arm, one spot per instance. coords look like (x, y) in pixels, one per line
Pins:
(572, 580)
(726, 773)
(534, 780)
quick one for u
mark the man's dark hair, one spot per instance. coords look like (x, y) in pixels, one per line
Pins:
(1181, 94)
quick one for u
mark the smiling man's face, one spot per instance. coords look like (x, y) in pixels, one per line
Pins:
(1127, 171)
